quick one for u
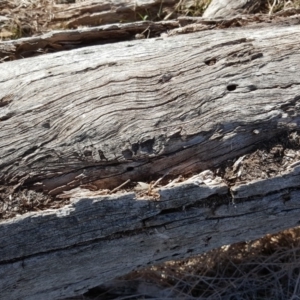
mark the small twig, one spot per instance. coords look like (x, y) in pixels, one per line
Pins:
(120, 186)
(147, 29)
(170, 184)
(158, 180)
(272, 7)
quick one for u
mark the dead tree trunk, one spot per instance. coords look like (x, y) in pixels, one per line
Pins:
(92, 118)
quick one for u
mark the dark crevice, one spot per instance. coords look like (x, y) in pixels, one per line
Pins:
(282, 138)
(210, 61)
(7, 116)
(6, 100)
(30, 151)
(231, 87)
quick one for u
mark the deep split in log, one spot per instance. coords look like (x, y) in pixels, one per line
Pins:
(98, 116)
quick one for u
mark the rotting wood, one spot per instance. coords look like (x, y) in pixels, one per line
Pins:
(289, 179)
(222, 90)
(96, 239)
(106, 114)
(98, 12)
(71, 39)
(20, 19)
(93, 216)
(87, 208)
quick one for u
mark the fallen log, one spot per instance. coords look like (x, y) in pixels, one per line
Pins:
(62, 40)
(19, 19)
(79, 124)
(98, 12)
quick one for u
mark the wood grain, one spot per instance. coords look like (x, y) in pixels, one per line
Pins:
(103, 114)
(57, 254)
(133, 110)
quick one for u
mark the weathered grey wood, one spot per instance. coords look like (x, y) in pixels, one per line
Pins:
(289, 179)
(89, 218)
(104, 114)
(108, 113)
(80, 220)
(230, 8)
(98, 12)
(61, 40)
(83, 13)
(161, 230)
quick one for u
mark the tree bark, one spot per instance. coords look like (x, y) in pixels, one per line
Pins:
(142, 110)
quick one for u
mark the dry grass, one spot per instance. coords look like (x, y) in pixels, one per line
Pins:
(196, 9)
(274, 6)
(25, 17)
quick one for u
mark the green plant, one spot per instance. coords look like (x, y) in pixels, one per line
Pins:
(143, 17)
